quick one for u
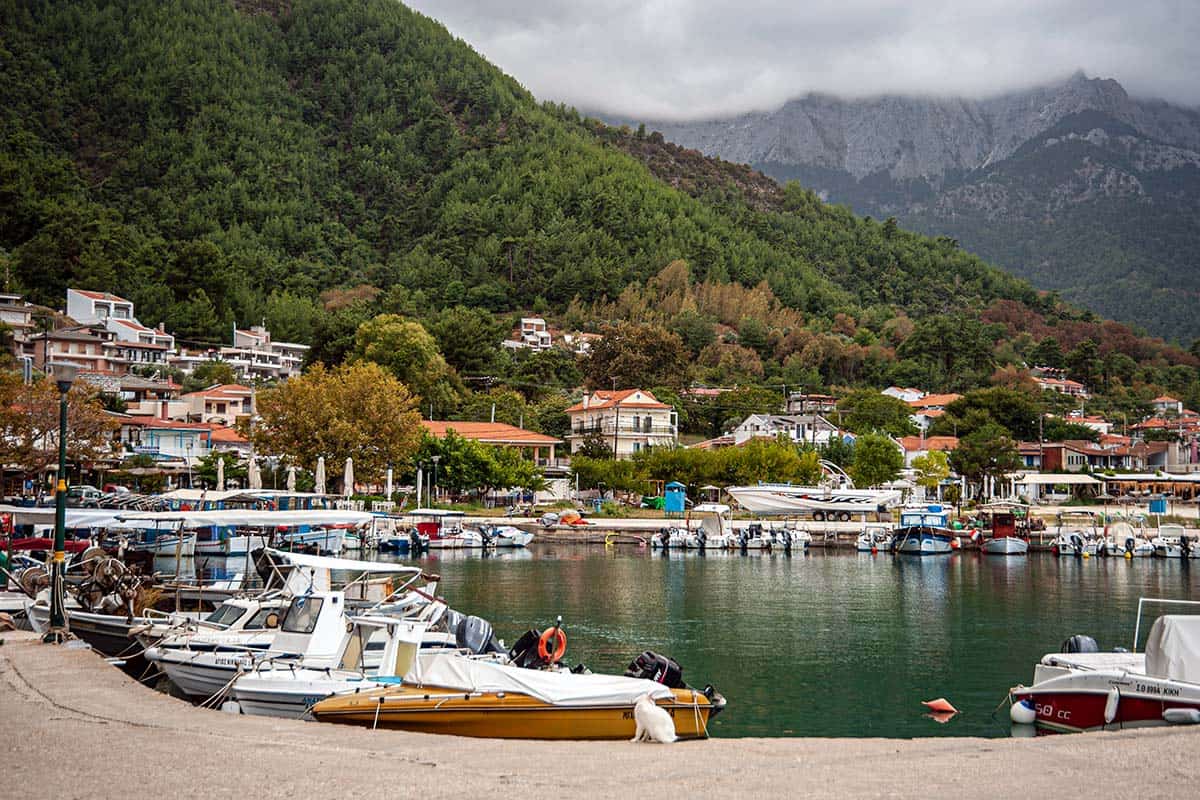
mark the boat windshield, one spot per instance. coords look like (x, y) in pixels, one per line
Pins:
(225, 615)
(302, 615)
(919, 519)
(263, 618)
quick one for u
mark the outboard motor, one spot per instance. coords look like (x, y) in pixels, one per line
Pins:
(1080, 644)
(525, 652)
(658, 668)
(486, 534)
(1185, 546)
(414, 542)
(476, 634)
(701, 539)
(787, 542)
(1129, 544)
(743, 539)
(1077, 543)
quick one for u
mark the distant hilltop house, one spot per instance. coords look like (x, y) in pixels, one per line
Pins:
(801, 403)
(115, 314)
(531, 334)
(914, 447)
(253, 356)
(903, 393)
(1055, 380)
(928, 407)
(1165, 404)
(628, 421)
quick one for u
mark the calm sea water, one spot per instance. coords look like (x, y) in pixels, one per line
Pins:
(835, 644)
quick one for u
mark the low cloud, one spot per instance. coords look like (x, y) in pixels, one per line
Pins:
(682, 59)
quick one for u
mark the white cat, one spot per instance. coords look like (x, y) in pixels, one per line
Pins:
(654, 724)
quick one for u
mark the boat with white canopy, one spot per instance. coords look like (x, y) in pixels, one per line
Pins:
(823, 502)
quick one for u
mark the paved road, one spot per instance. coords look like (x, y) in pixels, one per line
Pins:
(75, 727)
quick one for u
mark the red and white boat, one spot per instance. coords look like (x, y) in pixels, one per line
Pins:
(1110, 691)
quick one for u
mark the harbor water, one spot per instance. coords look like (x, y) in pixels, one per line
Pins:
(825, 644)
(837, 644)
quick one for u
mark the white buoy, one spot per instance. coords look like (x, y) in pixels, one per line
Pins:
(1022, 712)
(1112, 705)
(1182, 716)
(231, 707)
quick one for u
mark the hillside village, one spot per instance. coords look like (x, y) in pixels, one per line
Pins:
(172, 408)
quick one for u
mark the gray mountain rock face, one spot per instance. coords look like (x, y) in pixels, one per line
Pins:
(1076, 186)
(915, 137)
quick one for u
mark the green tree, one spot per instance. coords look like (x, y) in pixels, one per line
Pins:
(407, 350)
(959, 346)
(867, 410)
(594, 446)
(290, 317)
(468, 338)
(209, 373)
(931, 469)
(877, 460)
(1084, 363)
(986, 452)
(1047, 353)
(235, 469)
(1015, 411)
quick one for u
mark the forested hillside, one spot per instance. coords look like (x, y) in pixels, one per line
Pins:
(316, 162)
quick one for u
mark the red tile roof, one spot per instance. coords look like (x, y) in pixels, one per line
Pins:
(490, 433)
(221, 433)
(915, 444)
(605, 399)
(225, 391)
(101, 296)
(934, 400)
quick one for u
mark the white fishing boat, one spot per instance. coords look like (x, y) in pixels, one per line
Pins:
(277, 690)
(874, 539)
(924, 531)
(1121, 539)
(1005, 538)
(443, 529)
(823, 502)
(506, 536)
(1090, 690)
(673, 539)
(1076, 533)
(202, 662)
(1174, 541)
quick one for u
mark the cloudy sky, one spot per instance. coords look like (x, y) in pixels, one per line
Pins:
(698, 58)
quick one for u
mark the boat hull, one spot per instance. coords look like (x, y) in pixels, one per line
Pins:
(505, 715)
(923, 544)
(107, 634)
(1080, 708)
(1006, 546)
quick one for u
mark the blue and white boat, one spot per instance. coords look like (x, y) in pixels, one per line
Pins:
(923, 531)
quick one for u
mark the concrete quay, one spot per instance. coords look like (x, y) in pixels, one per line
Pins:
(76, 727)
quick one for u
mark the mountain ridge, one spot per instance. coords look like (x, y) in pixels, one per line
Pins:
(1102, 212)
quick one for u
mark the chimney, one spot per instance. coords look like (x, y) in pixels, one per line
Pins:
(164, 411)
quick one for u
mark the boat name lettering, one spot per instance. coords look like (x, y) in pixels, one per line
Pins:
(1150, 688)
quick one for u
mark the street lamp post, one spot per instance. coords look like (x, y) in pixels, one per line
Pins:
(64, 375)
(433, 487)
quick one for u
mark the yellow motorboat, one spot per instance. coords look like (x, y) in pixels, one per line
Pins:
(464, 696)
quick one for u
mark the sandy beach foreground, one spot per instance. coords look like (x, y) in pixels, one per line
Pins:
(76, 727)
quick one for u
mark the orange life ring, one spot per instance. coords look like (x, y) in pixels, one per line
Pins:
(560, 648)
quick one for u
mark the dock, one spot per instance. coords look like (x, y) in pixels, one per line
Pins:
(76, 726)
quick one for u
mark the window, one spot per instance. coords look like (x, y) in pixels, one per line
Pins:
(301, 616)
(262, 619)
(225, 615)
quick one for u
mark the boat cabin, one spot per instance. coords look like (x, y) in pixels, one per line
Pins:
(925, 517)
(437, 523)
(715, 519)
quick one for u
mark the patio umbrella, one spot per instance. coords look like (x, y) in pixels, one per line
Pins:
(319, 488)
(254, 477)
(291, 479)
(389, 484)
(220, 474)
(348, 478)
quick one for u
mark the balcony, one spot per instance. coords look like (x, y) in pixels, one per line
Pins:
(631, 428)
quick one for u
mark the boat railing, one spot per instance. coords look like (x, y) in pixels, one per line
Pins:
(1137, 628)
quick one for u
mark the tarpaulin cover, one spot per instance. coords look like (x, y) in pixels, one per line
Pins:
(451, 671)
(1173, 649)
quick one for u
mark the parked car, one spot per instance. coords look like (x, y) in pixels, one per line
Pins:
(83, 496)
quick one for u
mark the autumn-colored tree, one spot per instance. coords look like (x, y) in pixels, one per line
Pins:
(29, 424)
(931, 468)
(635, 355)
(357, 410)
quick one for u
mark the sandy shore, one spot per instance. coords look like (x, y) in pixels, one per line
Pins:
(76, 727)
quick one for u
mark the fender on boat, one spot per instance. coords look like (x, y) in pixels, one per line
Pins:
(1112, 705)
(1022, 712)
(1182, 716)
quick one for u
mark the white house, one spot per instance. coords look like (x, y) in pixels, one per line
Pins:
(254, 355)
(116, 315)
(811, 428)
(1165, 404)
(906, 394)
(628, 421)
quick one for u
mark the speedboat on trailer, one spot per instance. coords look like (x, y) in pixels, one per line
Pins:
(1086, 691)
(822, 502)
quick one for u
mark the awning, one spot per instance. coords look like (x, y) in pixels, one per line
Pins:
(1072, 479)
